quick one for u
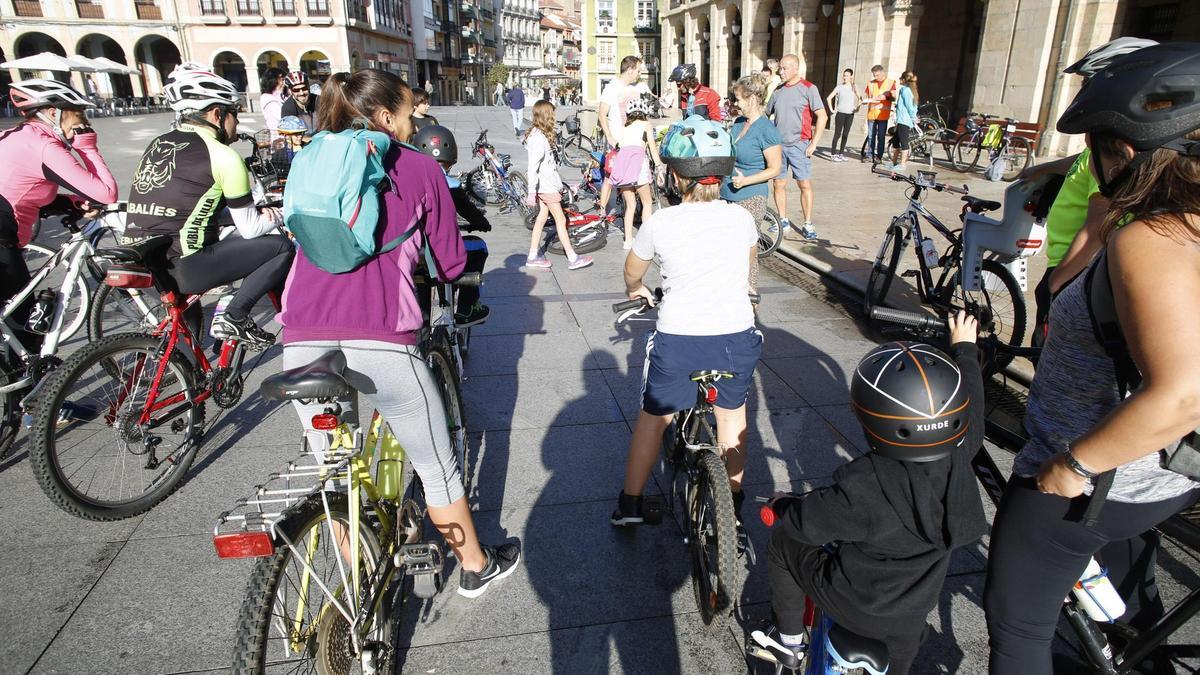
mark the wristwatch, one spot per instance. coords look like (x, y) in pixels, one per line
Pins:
(1074, 465)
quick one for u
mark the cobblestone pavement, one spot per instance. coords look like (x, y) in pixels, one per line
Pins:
(551, 394)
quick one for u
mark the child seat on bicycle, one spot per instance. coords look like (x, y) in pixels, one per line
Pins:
(872, 549)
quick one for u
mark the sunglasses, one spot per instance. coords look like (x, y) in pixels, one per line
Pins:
(300, 90)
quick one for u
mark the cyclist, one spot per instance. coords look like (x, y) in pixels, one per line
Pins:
(183, 181)
(872, 550)
(759, 150)
(1142, 124)
(371, 315)
(438, 142)
(707, 251)
(37, 158)
(1073, 224)
(302, 103)
(695, 98)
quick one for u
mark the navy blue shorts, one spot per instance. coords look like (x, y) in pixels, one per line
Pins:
(670, 360)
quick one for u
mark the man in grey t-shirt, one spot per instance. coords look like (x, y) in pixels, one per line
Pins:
(800, 117)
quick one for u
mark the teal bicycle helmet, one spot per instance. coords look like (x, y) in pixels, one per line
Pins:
(698, 148)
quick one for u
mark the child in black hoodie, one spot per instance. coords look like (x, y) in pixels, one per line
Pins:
(872, 549)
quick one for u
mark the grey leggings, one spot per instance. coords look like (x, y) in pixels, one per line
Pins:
(402, 389)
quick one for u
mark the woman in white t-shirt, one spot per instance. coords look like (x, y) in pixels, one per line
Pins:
(630, 171)
(707, 252)
(545, 188)
(844, 101)
(271, 100)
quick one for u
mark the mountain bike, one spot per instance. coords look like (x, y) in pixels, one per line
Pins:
(495, 180)
(690, 445)
(135, 415)
(998, 139)
(1006, 429)
(574, 148)
(991, 293)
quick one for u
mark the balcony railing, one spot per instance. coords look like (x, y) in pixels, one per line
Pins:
(283, 8)
(248, 8)
(317, 8)
(89, 9)
(28, 7)
(147, 11)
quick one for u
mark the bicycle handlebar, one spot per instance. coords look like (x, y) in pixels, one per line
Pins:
(920, 322)
(626, 305)
(899, 177)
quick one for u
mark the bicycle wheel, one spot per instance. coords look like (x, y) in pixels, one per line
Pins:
(287, 619)
(586, 239)
(77, 303)
(713, 538)
(577, 152)
(1000, 306)
(519, 193)
(10, 404)
(883, 270)
(770, 233)
(1016, 156)
(485, 185)
(441, 362)
(124, 310)
(91, 455)
(966, 152)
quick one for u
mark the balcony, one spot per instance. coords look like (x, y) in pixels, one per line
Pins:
(147, 11)
(27, 7)
(89, 9)
(645, 26)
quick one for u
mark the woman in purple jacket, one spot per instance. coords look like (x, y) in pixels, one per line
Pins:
(371, 315)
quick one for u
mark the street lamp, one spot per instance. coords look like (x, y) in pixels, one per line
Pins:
(706, 35)
(776, 18)
(736, 29)
(827, 7)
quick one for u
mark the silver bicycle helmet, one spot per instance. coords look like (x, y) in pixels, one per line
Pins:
(30, 95)
(1099, 58)
(191, 88)
(638, 105)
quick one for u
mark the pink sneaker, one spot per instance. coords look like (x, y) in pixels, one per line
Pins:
(580, 262)
(539, 262)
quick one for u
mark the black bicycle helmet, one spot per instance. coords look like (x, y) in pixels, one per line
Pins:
(1099, 58)
(911, 401)
(437, 142)
(1148, 98)
(683, 71)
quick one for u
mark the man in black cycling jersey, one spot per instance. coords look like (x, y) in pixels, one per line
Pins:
(184, 180)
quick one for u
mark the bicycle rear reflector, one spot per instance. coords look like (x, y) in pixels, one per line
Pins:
(128, 276)
(710, 394)
(244, 545)
(325, 422)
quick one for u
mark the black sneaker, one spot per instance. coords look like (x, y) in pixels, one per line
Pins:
(768, 645)
(476, 315)
(502, 560)
(244, 331)
(629, 511)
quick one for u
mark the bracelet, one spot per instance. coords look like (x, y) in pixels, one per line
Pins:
(1074, 465)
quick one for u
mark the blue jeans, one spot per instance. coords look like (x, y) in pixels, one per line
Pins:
(876, 138)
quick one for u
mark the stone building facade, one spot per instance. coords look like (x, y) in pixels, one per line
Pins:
(612, 30)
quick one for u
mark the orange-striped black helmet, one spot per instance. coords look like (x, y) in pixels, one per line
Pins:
(911, 401)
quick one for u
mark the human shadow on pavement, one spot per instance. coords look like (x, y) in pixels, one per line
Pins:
(613, 586)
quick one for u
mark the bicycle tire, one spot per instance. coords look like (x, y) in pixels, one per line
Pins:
(254, 624)
(1007, 325)
(73, 379)
(441, 362)
(10, 405)
(115, 310)
(713, 595)
(484, 183)
(883, 270)
(520, 192)
(594, 239)
(966, 147)
(574, 154)
(1017, 155)
(768, 241)
(80, 294)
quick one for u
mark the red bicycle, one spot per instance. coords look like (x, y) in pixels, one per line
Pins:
(118, 424)
(587, 228)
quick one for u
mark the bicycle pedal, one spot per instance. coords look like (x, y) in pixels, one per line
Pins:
(653, 508)
(422, 562)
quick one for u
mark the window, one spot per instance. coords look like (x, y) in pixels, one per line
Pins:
(605, 17)
(283, 8)
(355, 9)
(606, 54)
(248, 7)
(644, 16)
(318, 7)
(646, 48)
(1158, 22)
(212, 7)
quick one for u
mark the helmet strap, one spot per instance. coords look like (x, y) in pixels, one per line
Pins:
(1108, 187)
(197, 119)
(55, 123)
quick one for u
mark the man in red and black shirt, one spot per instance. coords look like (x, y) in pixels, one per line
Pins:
(695, 98)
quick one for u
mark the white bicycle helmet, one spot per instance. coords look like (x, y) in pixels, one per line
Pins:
(191, 88)
(1098, 59)
(30, 95)
(296, 78)
(638, 105)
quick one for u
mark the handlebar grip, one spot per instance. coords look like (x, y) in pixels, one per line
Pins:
(628, 305)
(880, 172)
(911, 319)
(958, 190)
(469, 279)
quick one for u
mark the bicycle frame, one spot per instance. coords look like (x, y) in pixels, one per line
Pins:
(913, 214)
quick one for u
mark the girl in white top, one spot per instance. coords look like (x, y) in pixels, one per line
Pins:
(545, 188)
(631, 168)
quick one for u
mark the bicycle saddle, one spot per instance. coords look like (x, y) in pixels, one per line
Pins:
(857, 651)
(710, 375)
(981, 205)
(320, 379)
(143, 252)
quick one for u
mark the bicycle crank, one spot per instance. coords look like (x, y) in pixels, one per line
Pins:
(227, 387)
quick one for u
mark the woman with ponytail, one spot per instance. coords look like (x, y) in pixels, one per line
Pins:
(371, 314)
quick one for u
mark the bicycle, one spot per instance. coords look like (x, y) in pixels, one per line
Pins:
(690, 444)
(130, 393)
(353, 507)
(574, 148)
(587, 230)
(985, 288)
(495, 179)
(999, 139)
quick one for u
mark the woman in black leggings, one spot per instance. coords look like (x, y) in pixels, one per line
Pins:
(1079, 424)
(844, 101)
